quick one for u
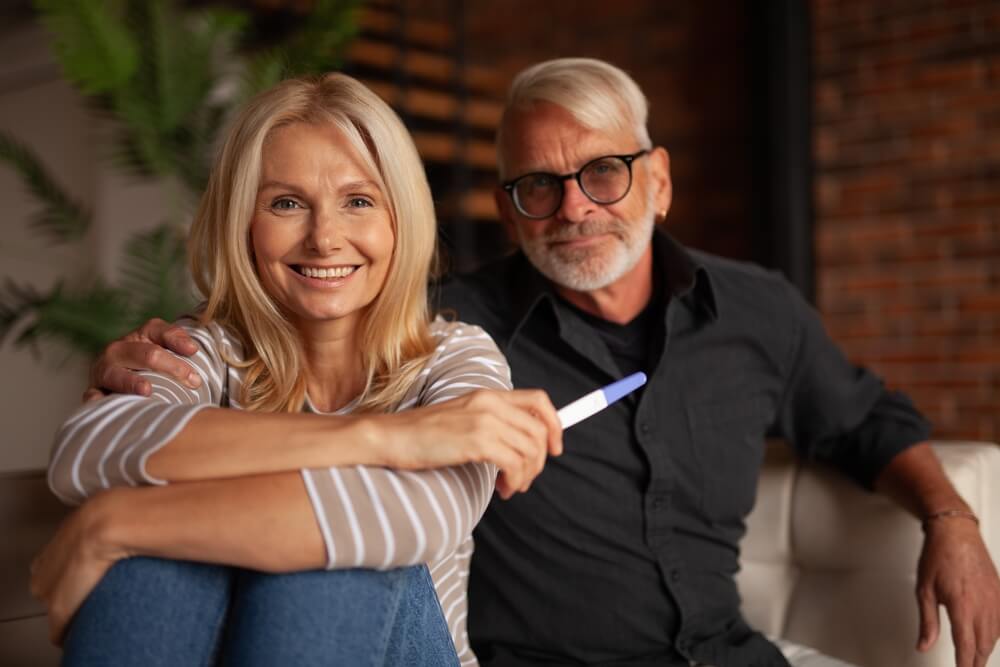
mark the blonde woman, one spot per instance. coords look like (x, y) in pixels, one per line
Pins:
(304, 502)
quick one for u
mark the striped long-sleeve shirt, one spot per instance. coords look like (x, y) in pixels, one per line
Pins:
(368, 516)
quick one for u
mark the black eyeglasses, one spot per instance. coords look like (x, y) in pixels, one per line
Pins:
(604, 180)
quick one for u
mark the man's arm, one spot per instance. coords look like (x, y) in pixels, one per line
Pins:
(955, 567)
(837, 413)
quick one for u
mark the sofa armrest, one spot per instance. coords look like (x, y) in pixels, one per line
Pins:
(831, 566)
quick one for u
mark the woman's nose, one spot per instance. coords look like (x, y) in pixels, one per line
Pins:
(324, 233)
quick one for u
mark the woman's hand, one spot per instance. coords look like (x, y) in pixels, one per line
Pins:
(514, 430)
(73, 563)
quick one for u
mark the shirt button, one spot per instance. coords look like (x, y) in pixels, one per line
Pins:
(644, 428)
(675, 575)
(658, 504)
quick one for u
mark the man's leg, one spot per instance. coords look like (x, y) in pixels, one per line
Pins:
(151, 612)
(340, 617)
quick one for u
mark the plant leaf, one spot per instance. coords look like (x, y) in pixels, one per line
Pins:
(263, 70)
(61, 219)
(167, 128)
(154, 274)
(84, 320)
(318, 46)
(95, 49)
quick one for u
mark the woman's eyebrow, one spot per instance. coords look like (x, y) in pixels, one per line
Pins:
(360, 185)
(352, 185)
(281, 185)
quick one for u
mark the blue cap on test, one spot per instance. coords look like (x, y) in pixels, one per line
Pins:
(623, 387)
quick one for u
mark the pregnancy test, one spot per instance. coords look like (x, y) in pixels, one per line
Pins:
(592, 403)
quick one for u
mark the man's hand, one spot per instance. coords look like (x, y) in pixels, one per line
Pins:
(956, 570)
(72, 564)
(145, 349)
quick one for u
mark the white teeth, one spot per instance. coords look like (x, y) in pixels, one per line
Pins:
(332, 272)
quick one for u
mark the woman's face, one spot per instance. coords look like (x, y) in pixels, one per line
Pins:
(321, 231)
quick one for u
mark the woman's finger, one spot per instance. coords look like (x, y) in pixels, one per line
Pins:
(538, 403)
(525, 434)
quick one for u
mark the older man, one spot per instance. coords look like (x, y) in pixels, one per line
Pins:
(624, 550)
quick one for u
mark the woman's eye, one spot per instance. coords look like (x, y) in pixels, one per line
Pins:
(359, 202)
(284, 204)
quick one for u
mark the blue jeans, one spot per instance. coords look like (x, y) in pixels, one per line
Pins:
(153, 612)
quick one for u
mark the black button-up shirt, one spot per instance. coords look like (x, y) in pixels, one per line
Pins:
(624, 550)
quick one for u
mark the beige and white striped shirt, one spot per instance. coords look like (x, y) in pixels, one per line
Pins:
(369, 517)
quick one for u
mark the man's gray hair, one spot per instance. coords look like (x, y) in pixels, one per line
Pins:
(597, 94)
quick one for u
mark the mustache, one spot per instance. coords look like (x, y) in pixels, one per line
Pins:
(584, 229)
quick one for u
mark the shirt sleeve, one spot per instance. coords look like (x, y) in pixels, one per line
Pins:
(838, 413)
(106, 443)
(382, 518)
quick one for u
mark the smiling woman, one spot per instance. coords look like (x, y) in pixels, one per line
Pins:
(333, 424)
(321, 234)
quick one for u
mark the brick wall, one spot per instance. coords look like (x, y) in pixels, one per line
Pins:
(907, 148)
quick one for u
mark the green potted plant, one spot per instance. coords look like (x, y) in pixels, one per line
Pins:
(167, 77)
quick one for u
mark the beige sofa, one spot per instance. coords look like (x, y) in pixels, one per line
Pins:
(825, 564)
(833, 567)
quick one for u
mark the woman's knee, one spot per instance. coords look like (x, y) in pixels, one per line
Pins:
(150, 610)
(343, 616)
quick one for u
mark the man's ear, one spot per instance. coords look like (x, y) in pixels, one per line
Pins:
(506, 210)
(659, 171)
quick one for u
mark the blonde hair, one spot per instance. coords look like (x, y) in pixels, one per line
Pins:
(394, 328)
(597, 94)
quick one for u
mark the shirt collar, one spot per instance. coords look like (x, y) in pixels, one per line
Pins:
(675, 268)
(685, 277)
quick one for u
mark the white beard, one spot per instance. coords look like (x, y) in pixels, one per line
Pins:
(588, 269)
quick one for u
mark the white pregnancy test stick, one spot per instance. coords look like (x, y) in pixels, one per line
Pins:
(592, 403)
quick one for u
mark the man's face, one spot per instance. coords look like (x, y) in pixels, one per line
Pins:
(583, 246)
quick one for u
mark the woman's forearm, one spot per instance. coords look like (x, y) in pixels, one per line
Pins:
(219, 443)
(262, 522)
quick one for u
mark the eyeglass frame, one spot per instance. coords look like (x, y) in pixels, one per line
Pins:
(628, 159)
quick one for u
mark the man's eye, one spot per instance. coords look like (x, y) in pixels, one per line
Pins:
(605, 167)
(359, 202)
(540, 181)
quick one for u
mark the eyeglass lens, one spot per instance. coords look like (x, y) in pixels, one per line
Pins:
(604, 181)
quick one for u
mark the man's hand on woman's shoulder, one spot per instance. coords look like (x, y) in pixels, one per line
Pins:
(146, 348)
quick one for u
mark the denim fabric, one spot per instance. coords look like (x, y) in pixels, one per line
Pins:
(154, 612)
